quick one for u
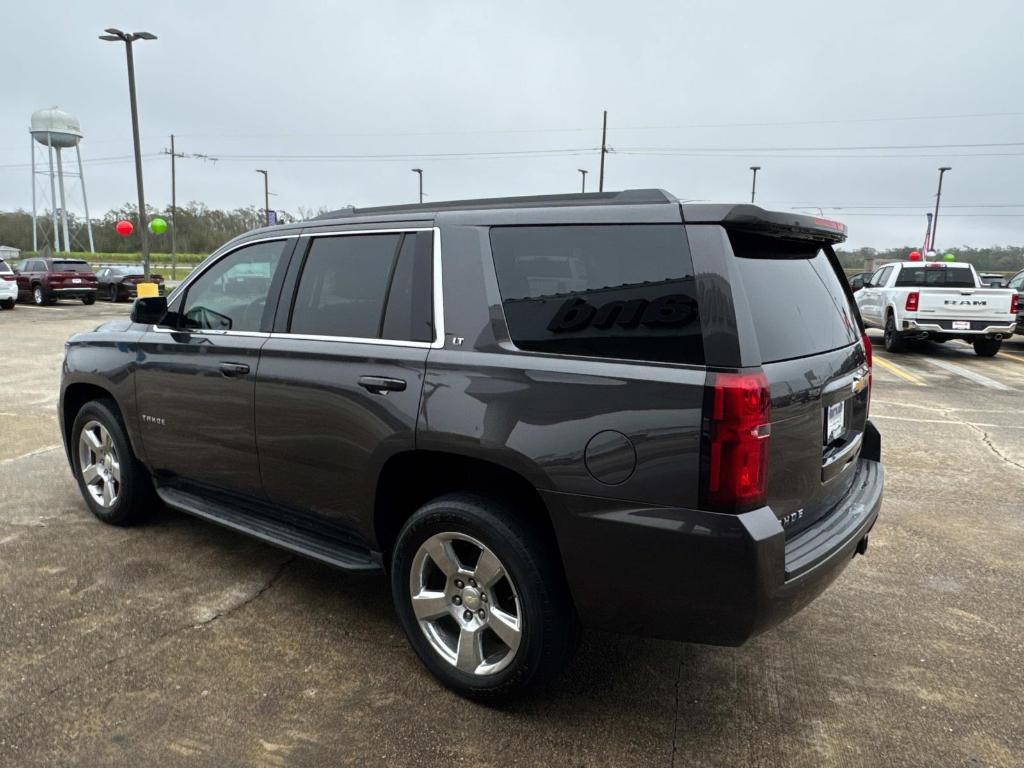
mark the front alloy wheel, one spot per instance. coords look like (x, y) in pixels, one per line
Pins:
(466, 604)
(99, 464)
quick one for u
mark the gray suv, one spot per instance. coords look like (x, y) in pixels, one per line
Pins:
(608, 410)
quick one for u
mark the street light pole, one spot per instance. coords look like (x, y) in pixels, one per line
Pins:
(117, 35)
(753, 184)
(583, 173)
(419, 172)
(938, 197)
(266, 194)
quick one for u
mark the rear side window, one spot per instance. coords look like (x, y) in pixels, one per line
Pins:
(796, 299)
(935, 274)
(623, 291)
(4, 267)
(366, 287)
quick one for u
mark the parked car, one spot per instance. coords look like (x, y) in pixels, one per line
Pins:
(937, 300)
(613, 408)
(44, 281)
(857, 280)
(1017, 283)
(8, 286)
(119, 282)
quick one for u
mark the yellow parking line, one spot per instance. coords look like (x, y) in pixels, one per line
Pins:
(903, 374)
(1011, 356)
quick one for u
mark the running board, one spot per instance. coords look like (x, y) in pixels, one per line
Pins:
(339, 554)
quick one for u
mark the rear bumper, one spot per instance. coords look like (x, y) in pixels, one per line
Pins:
(704, 577)
(8, 290)
(946, 328)
(73, 293)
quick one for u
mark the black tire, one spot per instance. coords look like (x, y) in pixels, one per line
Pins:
(894, 340)
(987, 347)
(39, 297)
(530, 561)
(7, 303)
(89, 300)
(135, 495)
(114, 294)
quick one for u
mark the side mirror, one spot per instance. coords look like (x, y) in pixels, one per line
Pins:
(150, 310)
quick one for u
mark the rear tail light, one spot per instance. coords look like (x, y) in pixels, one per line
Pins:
(1014, 302)
(870, 359)
(737, 415)
(912, 298)
(12, 278)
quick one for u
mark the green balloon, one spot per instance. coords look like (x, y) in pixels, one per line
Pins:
(949, 257)
(157, 226)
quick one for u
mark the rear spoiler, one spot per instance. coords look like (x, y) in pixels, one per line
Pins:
(752, 218)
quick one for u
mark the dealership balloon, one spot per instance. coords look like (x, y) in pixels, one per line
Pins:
(157, 226)
(949, 257)
(124, 228)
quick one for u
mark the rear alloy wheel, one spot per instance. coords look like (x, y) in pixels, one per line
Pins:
(39, 296)
(87, 300)
(987, 347)
(894, 341)
(114, 483)
(114, 293)
(482, 597)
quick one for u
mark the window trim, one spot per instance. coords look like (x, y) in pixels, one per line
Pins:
(438, 294)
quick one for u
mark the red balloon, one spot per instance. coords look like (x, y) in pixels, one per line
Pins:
(124, 228)
(915, 255)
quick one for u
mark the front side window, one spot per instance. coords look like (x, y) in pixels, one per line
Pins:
(232, 295)
(624, 291)
(366, 287)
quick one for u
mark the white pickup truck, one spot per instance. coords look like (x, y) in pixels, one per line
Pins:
(937, 300)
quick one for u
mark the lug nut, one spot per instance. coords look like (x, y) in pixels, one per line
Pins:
(472, 583)
(483, 597)
(467, 615)
(457, 600)
(459, 584)
(481, 614)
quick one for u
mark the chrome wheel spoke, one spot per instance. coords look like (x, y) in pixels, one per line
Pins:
(488, 569)
(469, 655)
(430, 605)
(115, 470)
(443, 556)
(92, 440)
(91, 474)
(108, 493)
(506, 627)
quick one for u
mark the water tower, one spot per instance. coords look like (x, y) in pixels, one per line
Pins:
(56, 131)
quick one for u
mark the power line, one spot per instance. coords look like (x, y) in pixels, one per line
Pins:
(852, 148)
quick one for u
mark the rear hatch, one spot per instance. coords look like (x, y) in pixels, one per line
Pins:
(71, 273)
(809, 339)
(948, 292)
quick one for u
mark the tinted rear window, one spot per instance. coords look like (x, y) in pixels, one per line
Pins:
(605, 291)
(939, 274)
(796, 299)
(66, 265)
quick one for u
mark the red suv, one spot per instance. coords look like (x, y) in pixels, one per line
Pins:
(43, 281)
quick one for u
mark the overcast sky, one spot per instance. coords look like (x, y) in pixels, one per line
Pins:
(255, 82)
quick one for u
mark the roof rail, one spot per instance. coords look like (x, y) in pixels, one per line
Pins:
(625, 197)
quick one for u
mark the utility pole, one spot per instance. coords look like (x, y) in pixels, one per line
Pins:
(938, 197)
(111, 36)
(266, 194)
(753, 185)
(174, 211)
(604, 150)
(583, 173)
(419, 172)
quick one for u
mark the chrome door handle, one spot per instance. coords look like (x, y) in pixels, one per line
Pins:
(233, 369)
(381, 385)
